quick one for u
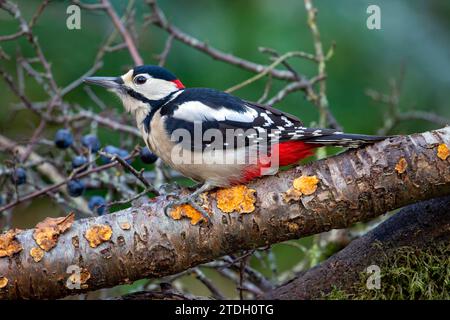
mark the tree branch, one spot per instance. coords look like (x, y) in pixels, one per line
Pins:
(419, 225)
(357, 185)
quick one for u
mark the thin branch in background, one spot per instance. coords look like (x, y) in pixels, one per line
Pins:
(266, 70)
(165, 53)
(137, 174)
(137, 59)
(393, 114)
(208, 283)
(38, 13)
(129, 200)
(158, 19)
(267, 89)
(293, 87)
(276, 55)
(325, 116)
(73, 85)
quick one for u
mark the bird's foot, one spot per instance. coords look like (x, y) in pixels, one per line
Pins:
(190, 199)
(169, 189)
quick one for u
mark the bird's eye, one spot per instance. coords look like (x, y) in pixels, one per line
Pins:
(140, 80)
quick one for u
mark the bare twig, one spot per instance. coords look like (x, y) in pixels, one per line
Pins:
(137, 59)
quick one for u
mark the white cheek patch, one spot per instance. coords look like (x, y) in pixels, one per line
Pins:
(155, 89)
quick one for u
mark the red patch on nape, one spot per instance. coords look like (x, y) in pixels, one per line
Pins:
(178, 84)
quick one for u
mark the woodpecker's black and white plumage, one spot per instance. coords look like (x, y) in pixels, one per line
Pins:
(163, 108)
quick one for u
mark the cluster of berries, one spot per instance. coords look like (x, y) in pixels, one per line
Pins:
(75, 187)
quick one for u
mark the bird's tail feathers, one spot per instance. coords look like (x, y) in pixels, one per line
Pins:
(347, 140)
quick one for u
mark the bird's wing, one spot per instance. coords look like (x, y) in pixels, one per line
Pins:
(205, 118)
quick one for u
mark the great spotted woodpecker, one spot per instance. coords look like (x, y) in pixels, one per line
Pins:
(214, 137)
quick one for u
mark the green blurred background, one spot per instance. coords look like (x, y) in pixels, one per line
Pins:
(414, 36)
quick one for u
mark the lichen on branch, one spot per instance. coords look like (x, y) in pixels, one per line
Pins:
(353, 186)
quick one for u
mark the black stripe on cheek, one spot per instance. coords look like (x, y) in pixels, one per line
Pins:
(155, 105)
(148, 119)
(137, 95)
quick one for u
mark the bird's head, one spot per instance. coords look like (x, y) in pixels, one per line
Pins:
(140, 86)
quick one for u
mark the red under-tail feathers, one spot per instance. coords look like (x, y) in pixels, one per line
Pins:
(289, 152)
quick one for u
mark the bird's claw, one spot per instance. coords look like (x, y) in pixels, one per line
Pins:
(187, 200)
(169, 189)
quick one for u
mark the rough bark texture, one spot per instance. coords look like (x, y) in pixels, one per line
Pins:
(419, 225)
(354, 186)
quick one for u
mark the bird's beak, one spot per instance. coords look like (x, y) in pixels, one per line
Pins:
(112, 83)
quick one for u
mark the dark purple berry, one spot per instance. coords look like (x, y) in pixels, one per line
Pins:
(91, 142)
(79, 161)
(19, 176)
(147, 156)
(109, 149)
(115, 151)
(75, 188)
(63, 138)
(97, 204)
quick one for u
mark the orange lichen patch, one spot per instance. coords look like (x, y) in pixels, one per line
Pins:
(75, 241)
(37, 254)
(291, 195)
(9, 244)
(98, 234)
(293, 227)
(443, 151)
(84, 276)
(186, 210)
(3, 282)
(238, 198)
(401, 166)
(125, 225)
(307, 185)
(46, 233)
(80, 278)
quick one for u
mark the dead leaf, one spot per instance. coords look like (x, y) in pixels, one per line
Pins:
(3, 282)
(9, 244)
(46, 233)
(443, 151)
(98, 234)
(37, 254)
(401, 166)
(238, 198)
(186, 210)
(307, 185)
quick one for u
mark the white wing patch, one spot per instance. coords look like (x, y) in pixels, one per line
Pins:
(266, 117)
(287, 122)
(197, 111)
